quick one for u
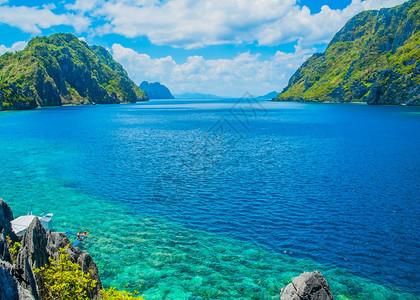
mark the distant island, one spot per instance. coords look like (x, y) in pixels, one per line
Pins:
(197, 96)
(374, 58)
(156, 90)
(61, 69)
(268, 96)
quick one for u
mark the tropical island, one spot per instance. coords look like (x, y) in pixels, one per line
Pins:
(374, 58)
(61, 70)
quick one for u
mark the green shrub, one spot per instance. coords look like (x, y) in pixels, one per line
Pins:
(13, 248)
(65, 280)
(113, 294)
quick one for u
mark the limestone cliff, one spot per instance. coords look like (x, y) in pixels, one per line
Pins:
(61, 69)
(374, 58)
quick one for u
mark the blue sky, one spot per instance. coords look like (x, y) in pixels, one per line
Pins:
(223, 47)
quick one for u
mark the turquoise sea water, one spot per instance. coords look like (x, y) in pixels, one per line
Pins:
(190, 199)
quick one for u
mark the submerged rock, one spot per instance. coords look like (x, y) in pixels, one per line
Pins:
(307, 286)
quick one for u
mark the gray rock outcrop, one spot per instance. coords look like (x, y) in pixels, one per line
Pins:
(307, 286)
(6, 215)
(32, 255)
(17, 280)
(57, 240)
(9, 288)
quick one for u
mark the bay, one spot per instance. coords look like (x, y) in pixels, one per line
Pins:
(227, 198)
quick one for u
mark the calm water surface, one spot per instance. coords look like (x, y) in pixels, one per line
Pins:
(226, 199)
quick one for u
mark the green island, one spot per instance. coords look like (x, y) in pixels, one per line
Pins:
(374, 58)
(61, 69)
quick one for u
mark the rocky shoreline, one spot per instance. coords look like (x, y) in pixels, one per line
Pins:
(17, 278)
(18, 281)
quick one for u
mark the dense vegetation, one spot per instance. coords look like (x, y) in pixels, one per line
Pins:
(62, 280)
(61, 69)
(374, 58)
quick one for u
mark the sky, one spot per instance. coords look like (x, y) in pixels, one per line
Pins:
(221, 47)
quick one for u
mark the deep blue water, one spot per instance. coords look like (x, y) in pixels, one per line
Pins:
(335, 184)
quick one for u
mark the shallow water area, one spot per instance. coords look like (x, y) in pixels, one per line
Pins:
(168, 222)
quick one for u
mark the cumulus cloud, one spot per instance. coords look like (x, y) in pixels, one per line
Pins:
(15, 47)
(193, 23)
(197, 24)
(33, 19)
(83, 5)
(226, 77)
(200, 23)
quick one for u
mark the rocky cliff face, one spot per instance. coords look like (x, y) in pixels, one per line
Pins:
(6, 216)
(17, 279)
(61, 69)
(374, 58)
(156, 90)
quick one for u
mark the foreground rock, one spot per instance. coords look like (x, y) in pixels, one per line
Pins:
(307, 286)
(17, 280)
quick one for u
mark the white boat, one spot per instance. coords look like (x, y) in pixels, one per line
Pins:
(21, 224)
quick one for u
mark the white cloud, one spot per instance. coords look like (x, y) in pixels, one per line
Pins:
(200, 23)
(33, 19)
(15, 47)
(376, 4)
(195, 24)
(226, 77)
(83, 5)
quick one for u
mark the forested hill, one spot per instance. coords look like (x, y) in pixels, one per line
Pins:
(374, 58)
(61, 69)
